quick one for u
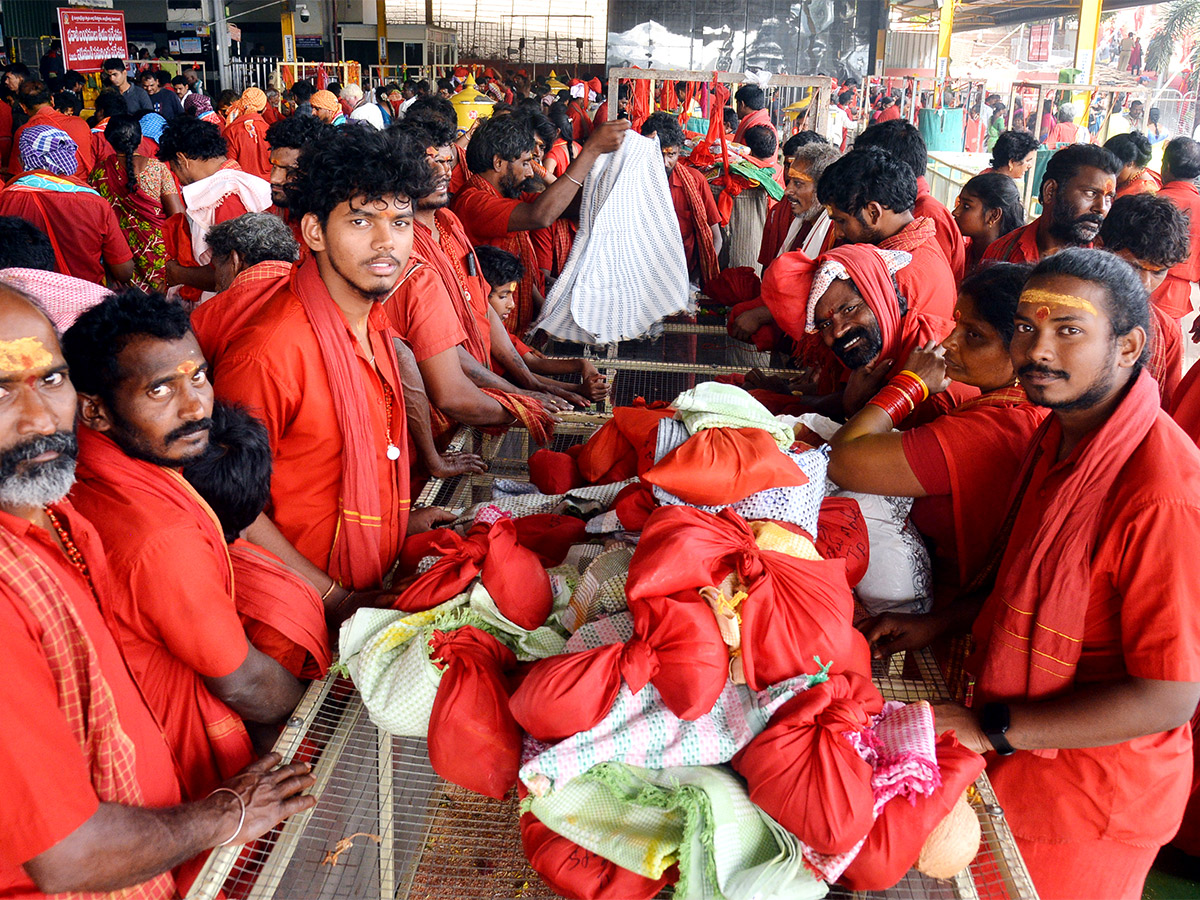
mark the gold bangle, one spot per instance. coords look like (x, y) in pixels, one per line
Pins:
(329, 590)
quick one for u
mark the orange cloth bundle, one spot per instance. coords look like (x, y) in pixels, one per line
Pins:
(624, 446)
(718, 466)
(806, 775)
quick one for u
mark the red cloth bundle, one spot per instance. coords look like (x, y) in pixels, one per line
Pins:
(633, 505)
(842, 534)
(805, 774)
(550, 536)
(796, 608)
(624, 446)
(718, 466)
(732, 286)
(512, 574)
(896, 838)
(767, 337)
(473, 740)
(676, 644)
(552, 472)
(580, 874)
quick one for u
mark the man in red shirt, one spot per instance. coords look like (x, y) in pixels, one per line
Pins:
(318, 365)
(1087, 658)
(1078, 188)
(82, 227)
(494, 209)
(751, 110)
(247, 134)
(695, 207)
(146, 404)
(214, 189)
(91, 796)
(34, 98)
(870, 196)
(904, 141)
(1181, 168)
(286, 138)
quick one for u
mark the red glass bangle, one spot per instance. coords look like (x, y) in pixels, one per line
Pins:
(900, 397)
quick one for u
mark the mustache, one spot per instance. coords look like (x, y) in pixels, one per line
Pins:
(841, 343)
(61, 442)
(1035, 369)
(1093, 218)
(183, 431)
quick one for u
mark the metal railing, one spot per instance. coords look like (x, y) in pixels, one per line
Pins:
(270, 71)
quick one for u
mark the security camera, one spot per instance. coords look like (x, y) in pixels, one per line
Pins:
(304, 13)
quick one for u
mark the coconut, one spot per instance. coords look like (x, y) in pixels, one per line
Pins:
(952, 845)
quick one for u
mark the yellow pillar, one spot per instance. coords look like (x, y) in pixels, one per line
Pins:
(1085, 53)
(288, 26)
(945, 29)
(381, 32)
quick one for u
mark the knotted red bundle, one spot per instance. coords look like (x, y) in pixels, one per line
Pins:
(676, 645)
(634, 504)
(796, 609)
(717, 466)
(624, 446)
(580, 874)
(550, 536)
(473, 740)
(554, 472)
(804, 773)
(512, 575)
(842, 534)
(897, 836)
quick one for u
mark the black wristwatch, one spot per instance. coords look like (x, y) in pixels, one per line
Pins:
(994, 720)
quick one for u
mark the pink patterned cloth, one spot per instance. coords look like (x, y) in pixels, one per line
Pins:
(63, 297)
(491, 514)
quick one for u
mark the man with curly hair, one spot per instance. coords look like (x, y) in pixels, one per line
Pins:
(318, 365)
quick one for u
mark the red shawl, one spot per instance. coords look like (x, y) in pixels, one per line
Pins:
(984, 442)
(1029, 633)
(528, 411)
(282, 613)
(218, 321)
(753, 119)
(356, 546)
(1185, 404)
(709, 267)
(464, 289)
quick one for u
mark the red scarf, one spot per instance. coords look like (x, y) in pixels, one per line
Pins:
(916, 233)
(100, 459)
(709, 267)
(528, 411)
(518, 244)
(1030, 632)
(453, 272)
(356, 553)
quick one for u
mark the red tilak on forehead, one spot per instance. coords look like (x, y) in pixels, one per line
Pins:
(1042, 313)
(187, 367)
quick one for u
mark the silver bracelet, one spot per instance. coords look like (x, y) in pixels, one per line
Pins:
(241, 818)
(567, 175)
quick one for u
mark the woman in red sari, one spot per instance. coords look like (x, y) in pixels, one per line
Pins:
(143, 193)
(988, 206)
(932, 462)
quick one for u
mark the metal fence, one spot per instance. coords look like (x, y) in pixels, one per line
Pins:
(270, 71)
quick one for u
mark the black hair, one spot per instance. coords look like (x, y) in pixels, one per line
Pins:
(93, 344)
(557, 114)
(865, 176)
(1132, 148)
(335, 88)
(346, 163)
(432, 128)
(666, 126)
(72, 79)
(32, 93)
(800, 139)
(1012, 146)
(899, 138)
(193, 138)
(233, 475)
(433, 107)
(506, 137)
(445, 84)
(498, 266)
(68, 103)
(845, 96)
(25, 246)
(996, 290)
(123, 134)
(1066, 163)
(752, 95)
(995, 190)
(1182, 157)
(179, 79)
(303, 91)
(113, 63)
(1151, 228)
(1128, 305)
(295, 132)
(110, 103)
(761, 141)
(731, 119)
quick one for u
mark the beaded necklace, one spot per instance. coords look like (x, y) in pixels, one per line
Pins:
(393, 452)
(74, 556)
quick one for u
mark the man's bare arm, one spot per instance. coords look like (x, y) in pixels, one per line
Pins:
(260, 689)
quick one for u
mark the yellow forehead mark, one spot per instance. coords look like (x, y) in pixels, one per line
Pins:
(511, 286)
(23, 354)
(187, 367)
(1036, 295)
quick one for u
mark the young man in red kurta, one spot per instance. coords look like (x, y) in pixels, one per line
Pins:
(1077, 189)
(145, 404)
(35, 99)
(318, 365)
(247, 134)
(494, 210)
(870, 196)
(1181, 168)
(1088, 647)
(91, 789)
(751, 109)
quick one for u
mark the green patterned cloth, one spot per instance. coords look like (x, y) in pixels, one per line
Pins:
(386, 651)
(700, 817)
(716, 405)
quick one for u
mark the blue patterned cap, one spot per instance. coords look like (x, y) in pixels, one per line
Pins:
(152, 126)
(51, 149)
